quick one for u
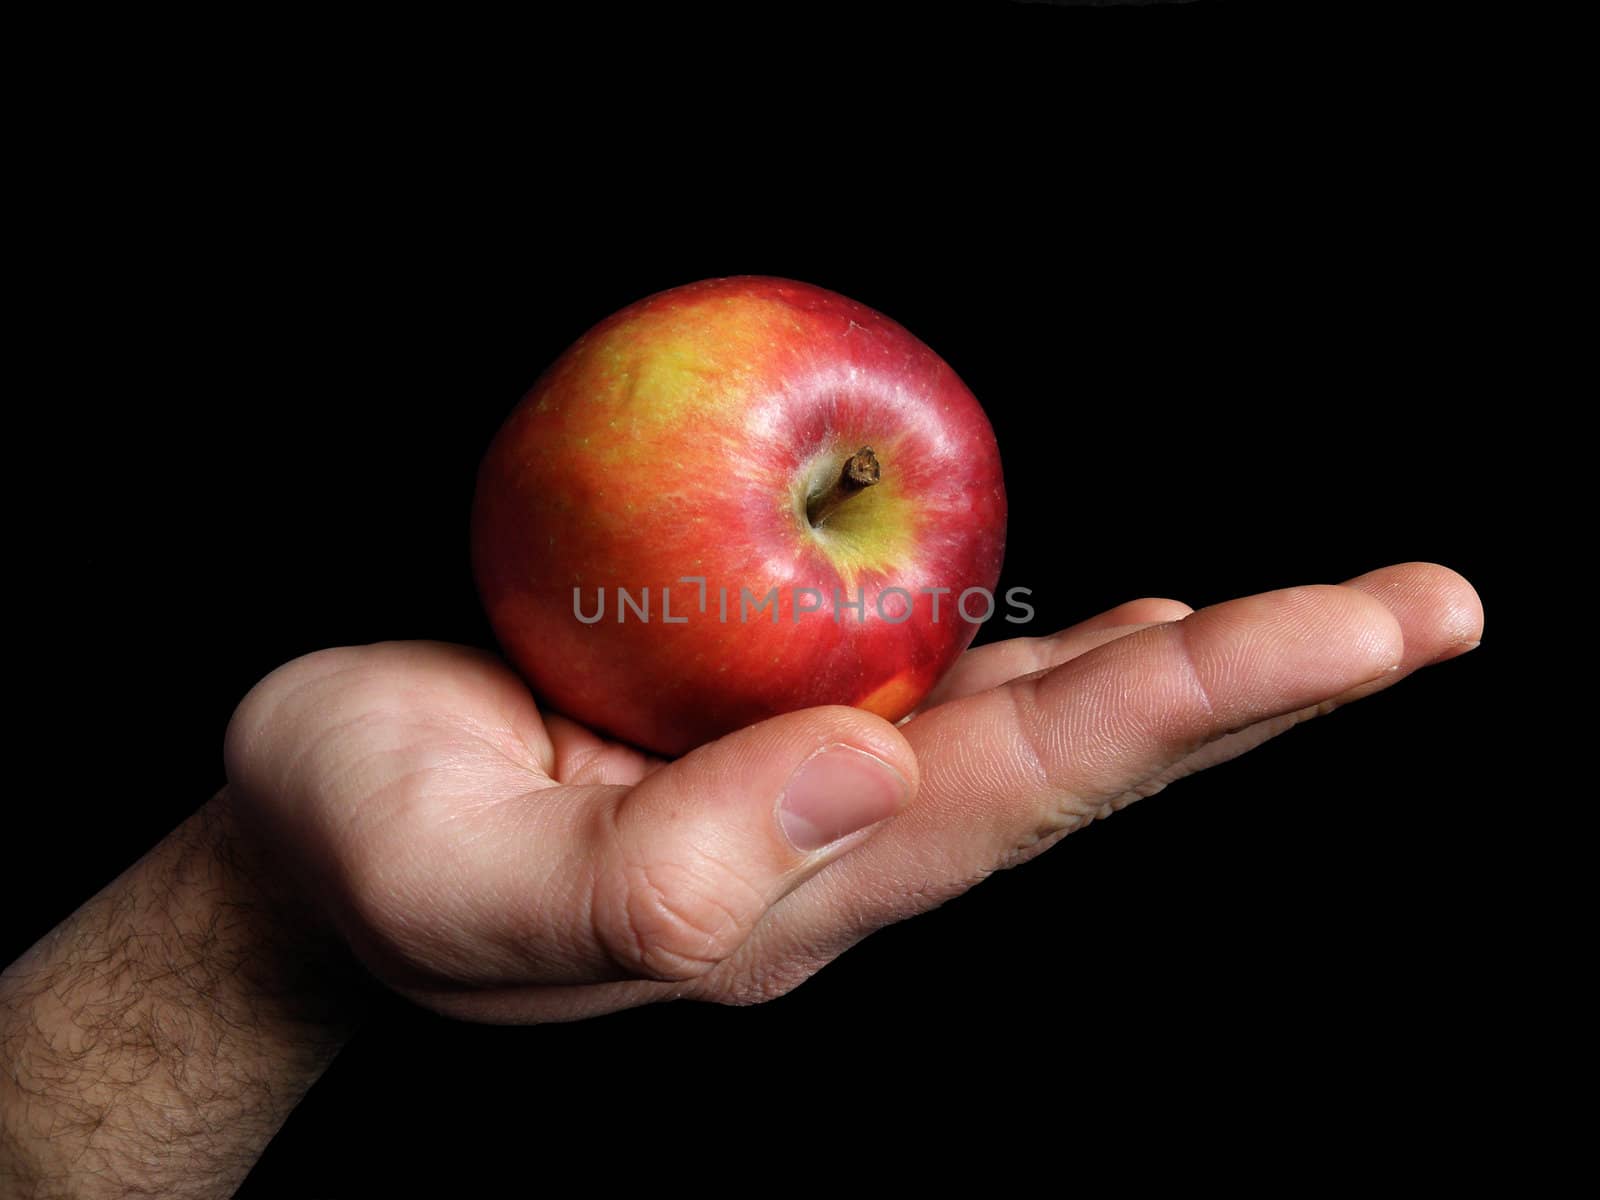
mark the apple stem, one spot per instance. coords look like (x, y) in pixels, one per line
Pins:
(860, 472)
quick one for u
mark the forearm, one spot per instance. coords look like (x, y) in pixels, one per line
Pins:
(154, 1042)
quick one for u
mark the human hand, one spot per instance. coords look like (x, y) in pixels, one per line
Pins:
(499, 864)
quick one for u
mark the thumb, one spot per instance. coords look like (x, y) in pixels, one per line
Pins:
(687, 862)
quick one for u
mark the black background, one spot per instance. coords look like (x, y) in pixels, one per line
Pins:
(1212, 369)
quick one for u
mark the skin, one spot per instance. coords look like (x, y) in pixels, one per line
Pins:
(404, 813)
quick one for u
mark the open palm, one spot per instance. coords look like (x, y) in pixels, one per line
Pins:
(498, 863)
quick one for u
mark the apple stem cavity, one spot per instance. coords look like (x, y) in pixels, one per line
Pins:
(861, 471)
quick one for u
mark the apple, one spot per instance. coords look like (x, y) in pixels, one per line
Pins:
(720, 445)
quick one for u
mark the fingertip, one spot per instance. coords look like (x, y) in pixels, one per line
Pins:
(846, 770)
(1358, 625)
(1282, 649)
(1438, 608)
(1454, 650)
(840, 725)
(1372, 632)
(838, 791)
(1459, 607)
(813, 761)
(1148, 610)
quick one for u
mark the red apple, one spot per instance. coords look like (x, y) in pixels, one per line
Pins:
(756, 434)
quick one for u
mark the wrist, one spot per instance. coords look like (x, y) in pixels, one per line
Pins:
(297, 967)
(159, 1036)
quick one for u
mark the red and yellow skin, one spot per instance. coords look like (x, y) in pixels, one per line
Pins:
(684, 436)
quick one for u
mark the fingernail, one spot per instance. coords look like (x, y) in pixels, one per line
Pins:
(1455, 651)
(1362, 690)
(835, 792)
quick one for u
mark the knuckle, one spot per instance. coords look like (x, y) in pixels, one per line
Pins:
(1197, 694)
(1034, 750)
(672, 922)
(1038, 753)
